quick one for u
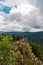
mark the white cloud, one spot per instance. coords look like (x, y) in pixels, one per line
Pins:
(36, 29)
(11, 3)
(23, 8)
(25, 17)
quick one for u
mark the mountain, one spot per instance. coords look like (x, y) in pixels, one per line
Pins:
(36, 37)
(18, 52)
(25, 54)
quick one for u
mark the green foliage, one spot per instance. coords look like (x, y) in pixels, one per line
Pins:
(7, 55)
(14, 52)
(37, 50)
(17, 37)
(5, 47)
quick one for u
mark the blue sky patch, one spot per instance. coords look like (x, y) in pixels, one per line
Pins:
(5, 9)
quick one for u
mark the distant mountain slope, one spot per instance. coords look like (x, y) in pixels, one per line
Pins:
(36, 37)
(32, 36)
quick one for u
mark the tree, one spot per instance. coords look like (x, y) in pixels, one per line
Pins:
(17, 37)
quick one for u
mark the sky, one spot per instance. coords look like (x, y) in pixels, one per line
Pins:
(21, 15)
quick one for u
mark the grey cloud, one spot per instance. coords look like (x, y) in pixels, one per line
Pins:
(38, 4)
(30, 22)
(2, 0)
(25, 23)
(26, 29)
(12, 17)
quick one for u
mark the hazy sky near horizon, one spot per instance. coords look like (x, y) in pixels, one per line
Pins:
(21, 15)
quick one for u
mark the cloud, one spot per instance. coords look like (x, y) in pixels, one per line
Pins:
(30, 22)
(38, 4)
(24, 8)
(2, 0)
(25, 17)
(12, 3)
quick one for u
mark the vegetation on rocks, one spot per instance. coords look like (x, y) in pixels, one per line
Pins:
(15, 50)
(37, 50)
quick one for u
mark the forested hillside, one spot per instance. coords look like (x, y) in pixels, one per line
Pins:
(32, 36)
(15, 50)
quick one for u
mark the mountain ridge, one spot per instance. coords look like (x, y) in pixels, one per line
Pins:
(32, 36)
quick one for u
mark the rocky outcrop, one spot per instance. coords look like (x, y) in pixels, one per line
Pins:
(24, 53)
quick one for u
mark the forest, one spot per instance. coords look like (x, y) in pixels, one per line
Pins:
(16, 50)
